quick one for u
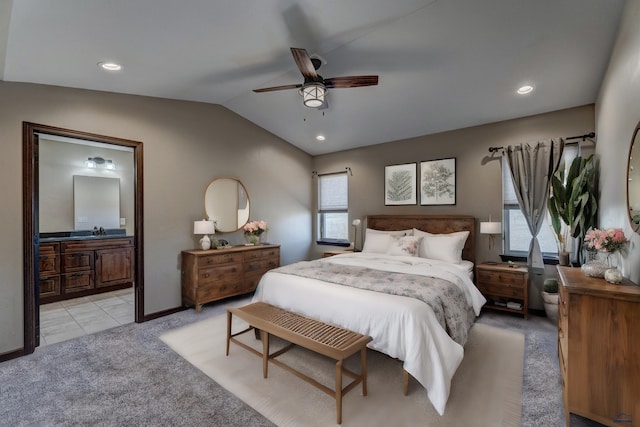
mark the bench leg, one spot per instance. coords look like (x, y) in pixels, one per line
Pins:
(363, 369)
(339, 392)
(264, 336)
(229, 314)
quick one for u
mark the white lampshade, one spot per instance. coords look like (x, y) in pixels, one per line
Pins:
(203, 227)
(491, 227)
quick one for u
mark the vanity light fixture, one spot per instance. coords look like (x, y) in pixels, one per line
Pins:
(523, 90)
(110, 66)
(94, 162)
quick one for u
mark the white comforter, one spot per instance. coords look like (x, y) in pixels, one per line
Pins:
(401, 327)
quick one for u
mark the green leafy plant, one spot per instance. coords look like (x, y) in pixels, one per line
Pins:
(574, 200)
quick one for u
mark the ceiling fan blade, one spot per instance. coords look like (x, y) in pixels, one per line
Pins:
(353, 81)
(303, 61)
(274, 88)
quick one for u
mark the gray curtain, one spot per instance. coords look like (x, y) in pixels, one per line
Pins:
(532, 166)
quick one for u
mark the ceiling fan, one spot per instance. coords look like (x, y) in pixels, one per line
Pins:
(314, 88)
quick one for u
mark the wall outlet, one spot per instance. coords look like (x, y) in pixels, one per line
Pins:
(123, 221)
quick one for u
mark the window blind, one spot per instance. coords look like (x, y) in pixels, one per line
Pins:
(333, 193)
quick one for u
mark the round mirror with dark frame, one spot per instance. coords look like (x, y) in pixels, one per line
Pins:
(633, 181)
(226, 202)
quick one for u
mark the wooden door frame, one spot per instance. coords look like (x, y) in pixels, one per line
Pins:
(30, 219)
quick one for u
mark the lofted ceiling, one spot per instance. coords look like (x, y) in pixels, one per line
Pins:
(442, 64)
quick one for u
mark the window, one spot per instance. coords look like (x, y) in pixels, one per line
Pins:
(333, 209)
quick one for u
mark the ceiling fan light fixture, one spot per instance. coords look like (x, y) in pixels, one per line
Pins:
(313, 95)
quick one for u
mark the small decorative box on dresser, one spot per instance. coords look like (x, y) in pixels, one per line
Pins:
(599, 348)
(505, 288)
(220, 273)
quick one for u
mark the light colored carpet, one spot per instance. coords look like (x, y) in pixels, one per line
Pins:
(486, 389)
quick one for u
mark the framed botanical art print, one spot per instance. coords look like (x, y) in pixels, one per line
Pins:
(400, 184)
(438, 182)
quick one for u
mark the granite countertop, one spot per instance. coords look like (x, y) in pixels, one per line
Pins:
(63, 236)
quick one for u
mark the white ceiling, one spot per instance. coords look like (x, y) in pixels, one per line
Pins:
(443, 64)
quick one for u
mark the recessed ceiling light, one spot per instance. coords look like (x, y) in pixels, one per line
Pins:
(320, 138)
(110, 66)
(523, 90)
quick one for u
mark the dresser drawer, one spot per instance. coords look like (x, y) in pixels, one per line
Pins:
(75, 282)
(220, 273)
(219, 259)
(261, 253)
(76, 261)
(261, 265)
(49, 264)
(505, 290)
(49, 286)
(501, 278)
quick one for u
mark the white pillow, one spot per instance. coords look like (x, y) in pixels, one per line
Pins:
(408, 232)
(405, 245)
(377, 243)
(444, 247)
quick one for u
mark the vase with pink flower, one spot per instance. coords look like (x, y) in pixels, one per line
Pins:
(254, 231)
(609, 243)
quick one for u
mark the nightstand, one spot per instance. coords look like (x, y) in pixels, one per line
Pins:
(506, 288)
(336, 252)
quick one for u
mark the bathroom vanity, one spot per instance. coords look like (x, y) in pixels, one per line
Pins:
(74, 266)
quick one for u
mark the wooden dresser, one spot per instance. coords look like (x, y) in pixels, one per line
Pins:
(599, 348)
(220, 273)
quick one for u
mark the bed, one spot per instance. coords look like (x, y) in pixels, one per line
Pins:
(381, 292)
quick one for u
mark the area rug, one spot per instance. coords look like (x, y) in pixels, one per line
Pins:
(486, 389)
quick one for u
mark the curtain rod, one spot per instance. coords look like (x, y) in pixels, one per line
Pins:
(582, 137)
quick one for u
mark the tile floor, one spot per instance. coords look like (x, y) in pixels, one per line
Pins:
(64, 320)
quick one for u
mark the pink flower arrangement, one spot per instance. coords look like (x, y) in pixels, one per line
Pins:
(610, 240)
(255, 228)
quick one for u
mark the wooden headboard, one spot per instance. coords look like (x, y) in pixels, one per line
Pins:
(436, 224)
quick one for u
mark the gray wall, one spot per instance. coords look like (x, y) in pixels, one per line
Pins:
(617, 114)
(479, 180)
(186, 145)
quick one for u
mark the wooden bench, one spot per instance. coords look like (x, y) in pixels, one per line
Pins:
(328, 340)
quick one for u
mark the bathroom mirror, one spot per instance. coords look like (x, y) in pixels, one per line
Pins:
(226, 202)
(96, 202)
(633, 181)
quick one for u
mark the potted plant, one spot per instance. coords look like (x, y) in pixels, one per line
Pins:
(573, 203)
(550, 298)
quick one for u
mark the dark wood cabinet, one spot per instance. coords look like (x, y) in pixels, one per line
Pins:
(73, 268)
(220, 273)
(599, 348)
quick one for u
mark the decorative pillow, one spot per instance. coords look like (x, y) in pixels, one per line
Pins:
(377, 243)
(444, 247)
(405, 245)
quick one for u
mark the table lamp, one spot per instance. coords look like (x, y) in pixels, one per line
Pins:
(355, 224)
(205, 228)
(491, 228)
